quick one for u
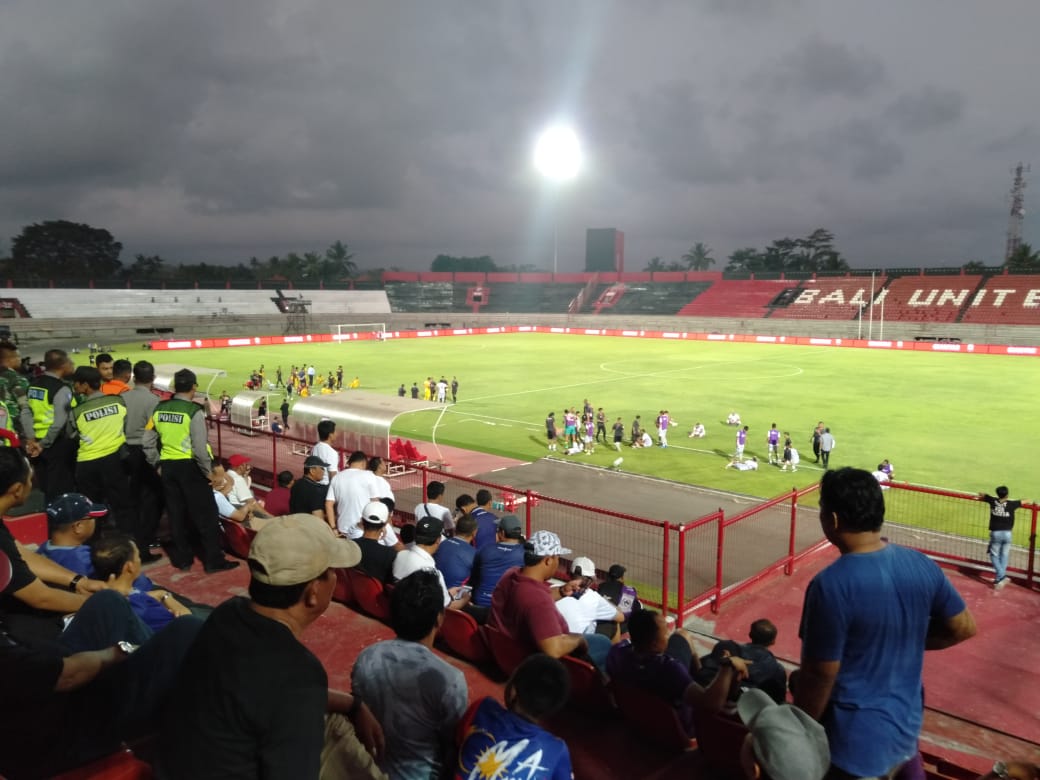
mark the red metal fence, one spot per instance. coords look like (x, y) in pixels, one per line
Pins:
(681, 567)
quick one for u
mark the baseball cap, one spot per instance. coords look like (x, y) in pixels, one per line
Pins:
(511, 526)
(298, 548)
(314, 460)
(546, 543)
(616, 572)
(584, 565)
(70, 507)
(237, 460)
(786, 741)
(428, 530)
(375, 512)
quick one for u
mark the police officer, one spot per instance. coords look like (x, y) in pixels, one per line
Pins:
(175, 441)
(146, 491)
(50, 399)
(14, 389)
(101, 468)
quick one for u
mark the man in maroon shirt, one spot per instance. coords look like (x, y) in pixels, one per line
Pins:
(523, 605)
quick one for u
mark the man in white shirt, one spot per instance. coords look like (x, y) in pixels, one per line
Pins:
(349, 491)
(433, 506)
(585, 607)
(378, 468)
(324, 450)
(881, 476)
(241, 494)
(428, 535)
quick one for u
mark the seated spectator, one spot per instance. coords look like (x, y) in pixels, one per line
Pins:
(377, 560)
(697, 432)
(783, 742)
(238, 717)
(241, 494)
(277, 501)
(585, 610)
(538, 688)
(621, 595)
(62, 712)
(743, 465)
(117, 563)
(434, 506)
(766, 672)
(487, 521)
(418, 697)
(246, 514)
(663, 664)
(307, 495)
(523, 605)
(464, 505)
(454, 557)
(494, 560)
(428, 538)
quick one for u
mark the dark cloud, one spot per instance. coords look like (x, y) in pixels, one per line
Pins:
(822, 68)
(926, 109)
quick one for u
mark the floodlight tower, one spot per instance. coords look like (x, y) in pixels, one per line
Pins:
(1018, 211)
(557, 157)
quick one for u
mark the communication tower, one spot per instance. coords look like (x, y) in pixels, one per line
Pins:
(1018, 210)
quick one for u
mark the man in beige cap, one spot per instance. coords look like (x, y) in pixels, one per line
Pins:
(251, 699)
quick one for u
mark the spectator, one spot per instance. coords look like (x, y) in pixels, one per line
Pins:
(415, 695)
(104, 364)
(117, 563)
(487, 521)
(377, 559)
(585, 610)
(454, 557)
(523, 605)
(245, 514)
(766, 672)
(428, 538)
(783, 742)
(324, 450)
(662, 665)
(434, 506)
(145, 485)
(277, 501)
(622, 595)
(307, 495)
(378, 468)
(348, 493)
(1001, 522)
(464, 505)
(241, 719)
(494, 560)
(62, 712)
(241, 494)
(538, 688)
(52, 449)
(866, 622)
(175, 440)
(120, 380)
(33, 610)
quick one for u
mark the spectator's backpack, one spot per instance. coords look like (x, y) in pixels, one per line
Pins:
(624, 596)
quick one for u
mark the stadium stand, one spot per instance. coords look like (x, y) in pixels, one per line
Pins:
(665, 298)
(551, 298)
(1006, 300)
(426, 296)
(736, 298)
(830, 299)
(928, 298)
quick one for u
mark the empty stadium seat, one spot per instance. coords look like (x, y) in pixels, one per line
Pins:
(719, 739)
(122, 765)
(588, 688)
(344, 592)
(651, 717)
(506, 653)
(237, 538)
(462, 635)
(370, 594)
(28, 529)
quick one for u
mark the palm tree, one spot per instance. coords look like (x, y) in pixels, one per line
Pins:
(699, 257)
(1023, 259)
(655, 264)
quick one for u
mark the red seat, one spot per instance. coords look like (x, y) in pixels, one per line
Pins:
(123, 765)
(237, 538)
(344, 592)
(651, 716)
(588, 689)
(719, 740)
(506, 653)
(370, 595)
(397, 450)
(462, 634)
(413, 454)
(28, 529)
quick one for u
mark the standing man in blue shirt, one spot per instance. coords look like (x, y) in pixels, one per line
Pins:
(487, 521)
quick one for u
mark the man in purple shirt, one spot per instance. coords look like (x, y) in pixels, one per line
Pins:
(773, 440)
(741, 441)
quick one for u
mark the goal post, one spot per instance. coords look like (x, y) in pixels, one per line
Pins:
(359, 330)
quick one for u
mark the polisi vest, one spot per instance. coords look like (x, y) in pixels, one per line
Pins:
(101, 424)
(172, 422)
(41, 402)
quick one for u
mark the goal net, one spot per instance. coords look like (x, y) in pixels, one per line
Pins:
(359, 330)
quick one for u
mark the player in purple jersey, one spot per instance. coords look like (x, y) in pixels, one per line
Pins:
(773, 439)
(741, 441)
(663, 421)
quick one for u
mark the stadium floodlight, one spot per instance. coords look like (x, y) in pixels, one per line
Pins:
(558, 158)
(557, 154)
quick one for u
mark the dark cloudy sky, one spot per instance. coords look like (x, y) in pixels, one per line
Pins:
(220, 129)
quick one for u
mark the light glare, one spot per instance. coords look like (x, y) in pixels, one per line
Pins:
(557, 154)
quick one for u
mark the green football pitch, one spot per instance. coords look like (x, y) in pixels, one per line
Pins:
(962, 422)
